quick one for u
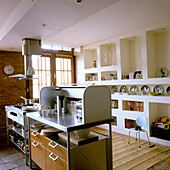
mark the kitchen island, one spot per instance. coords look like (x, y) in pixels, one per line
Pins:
(56, 153)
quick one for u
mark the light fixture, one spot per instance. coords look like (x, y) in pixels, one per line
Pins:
(79, 1)
(43, 25)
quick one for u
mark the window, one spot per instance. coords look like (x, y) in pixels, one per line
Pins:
(63, 70)
(41, 65)
(53, 69)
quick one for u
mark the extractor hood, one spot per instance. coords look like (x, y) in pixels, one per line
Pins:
(29, 47)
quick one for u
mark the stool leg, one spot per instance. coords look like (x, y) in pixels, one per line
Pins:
(139, 140)
(129, 137)
(148, 137)
(136, 137)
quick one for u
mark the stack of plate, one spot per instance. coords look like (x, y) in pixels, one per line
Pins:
(50, 131)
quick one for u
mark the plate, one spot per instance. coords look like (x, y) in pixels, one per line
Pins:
(113, 89)
(158, 89)
(145, 89)
(134, 89)
(168, 90)
(162, 72)
(123, 89)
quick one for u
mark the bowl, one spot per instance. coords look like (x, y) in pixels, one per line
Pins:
(39, 126)
(82, 132)
(154, 93)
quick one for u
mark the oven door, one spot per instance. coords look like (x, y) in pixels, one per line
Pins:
(17, 117)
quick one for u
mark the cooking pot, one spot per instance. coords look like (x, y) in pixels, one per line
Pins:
(28, 101)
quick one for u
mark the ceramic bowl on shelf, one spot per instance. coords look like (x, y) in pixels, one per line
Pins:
(82, 132)
(39, 126)
(154, 93)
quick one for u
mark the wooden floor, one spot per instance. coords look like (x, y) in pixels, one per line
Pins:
(124, 156)
(128, 156)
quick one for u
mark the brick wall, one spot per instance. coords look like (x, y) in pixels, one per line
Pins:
(10, 88)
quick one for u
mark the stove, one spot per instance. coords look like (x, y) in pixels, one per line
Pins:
(18, 112)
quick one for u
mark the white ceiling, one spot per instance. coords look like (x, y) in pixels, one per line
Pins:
(73, 25)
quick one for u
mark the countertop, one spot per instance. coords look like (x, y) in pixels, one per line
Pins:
(66, 122)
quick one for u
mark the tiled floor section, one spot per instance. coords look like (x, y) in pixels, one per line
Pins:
(11, 158)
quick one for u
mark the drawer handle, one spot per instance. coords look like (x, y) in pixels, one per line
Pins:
(34, 133)
(53, 146)
(35, 143)
(54, 159)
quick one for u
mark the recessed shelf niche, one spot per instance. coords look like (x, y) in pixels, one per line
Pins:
(157, 110)
(108, 54)
(114, 120)
(90, 58)
(131, 57)
(129, 123)
(109, 75)
(158, 51)
(133, 105)
(91, 77)
(115, 104)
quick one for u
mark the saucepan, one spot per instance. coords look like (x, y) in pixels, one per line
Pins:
(28, 101)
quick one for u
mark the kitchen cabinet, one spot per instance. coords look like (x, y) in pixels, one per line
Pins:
(62, 153)
(46, 153)
(38, 153)
(53, 161)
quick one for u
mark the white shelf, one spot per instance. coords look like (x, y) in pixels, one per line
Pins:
(132, 112)
(91, 70)
(109, 68)
(136, 81)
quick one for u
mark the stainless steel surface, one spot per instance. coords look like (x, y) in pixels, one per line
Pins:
(90, 96)
(66, 122)
(28, 101)
(61, 104)
(62, 122)
(30, 47)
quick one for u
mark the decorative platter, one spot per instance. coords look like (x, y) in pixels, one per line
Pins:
(158, 89)
(168, 90)
(162, 72)
(113, 89)
(144, 89)
(123, 89)
(134, 89)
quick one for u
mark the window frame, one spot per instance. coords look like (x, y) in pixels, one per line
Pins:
(53, 55)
